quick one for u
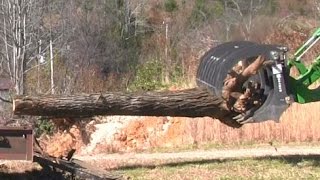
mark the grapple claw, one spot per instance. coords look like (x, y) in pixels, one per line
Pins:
(238, 117)
(261, 96)
(245, 117)
(249, 120)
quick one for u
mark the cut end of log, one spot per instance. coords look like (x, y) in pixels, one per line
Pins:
(22, 107)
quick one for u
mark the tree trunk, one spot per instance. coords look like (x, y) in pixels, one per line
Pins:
(186, 103)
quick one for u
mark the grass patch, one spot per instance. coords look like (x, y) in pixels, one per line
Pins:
(296, 168)
(220, 146)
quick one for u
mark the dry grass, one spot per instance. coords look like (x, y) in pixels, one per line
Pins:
(300, 123)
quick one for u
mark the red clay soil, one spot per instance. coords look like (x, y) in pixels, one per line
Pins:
(150, 132)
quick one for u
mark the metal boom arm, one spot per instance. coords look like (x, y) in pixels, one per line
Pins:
(300, 86)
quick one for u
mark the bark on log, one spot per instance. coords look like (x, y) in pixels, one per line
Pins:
(185, 103)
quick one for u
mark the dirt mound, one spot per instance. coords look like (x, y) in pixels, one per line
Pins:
(139, 134)
(145, 133)
(151, 132)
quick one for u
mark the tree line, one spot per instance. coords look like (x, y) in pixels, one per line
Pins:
(67, 47)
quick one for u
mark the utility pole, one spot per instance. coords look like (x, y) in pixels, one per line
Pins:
(51, 55)
(51, 67)
(166, 52)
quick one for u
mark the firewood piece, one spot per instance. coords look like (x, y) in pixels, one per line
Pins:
(234, 82)
(242, 103)
(252, 69)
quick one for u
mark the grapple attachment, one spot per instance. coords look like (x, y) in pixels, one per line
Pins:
(259, 97)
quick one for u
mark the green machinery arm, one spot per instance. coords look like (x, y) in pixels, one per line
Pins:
(299, 87)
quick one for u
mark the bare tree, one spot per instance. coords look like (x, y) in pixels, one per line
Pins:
(14, 36)
(316, 5)
(20, 32)
(242, 13)
(30, 32)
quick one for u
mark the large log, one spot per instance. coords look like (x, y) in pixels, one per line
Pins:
(185, 103)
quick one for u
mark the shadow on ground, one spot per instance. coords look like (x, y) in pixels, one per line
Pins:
(50, 173)
(34, 175)
(294, 160)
